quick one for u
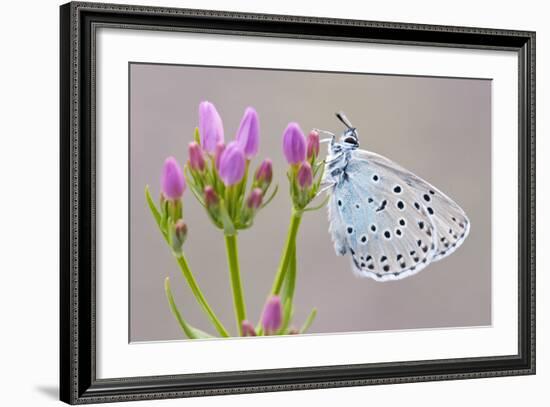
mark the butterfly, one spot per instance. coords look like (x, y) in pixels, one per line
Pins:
(391, 222)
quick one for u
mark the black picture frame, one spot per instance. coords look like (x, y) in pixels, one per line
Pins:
(78, 382)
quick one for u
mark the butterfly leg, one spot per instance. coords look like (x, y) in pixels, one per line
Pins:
(325, 186)
(335, 158)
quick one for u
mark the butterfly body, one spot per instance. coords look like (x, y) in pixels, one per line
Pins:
(391, 222)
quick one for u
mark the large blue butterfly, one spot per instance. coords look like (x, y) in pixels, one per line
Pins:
(391, 222)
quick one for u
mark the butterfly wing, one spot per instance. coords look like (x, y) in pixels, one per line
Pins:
(336, 228)
(450, 221)
(379, 214)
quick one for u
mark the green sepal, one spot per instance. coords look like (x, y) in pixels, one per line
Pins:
(316, 169)
(241, 186)
(197, 195)
(197, 136)
(159, 218)
(164, 217)
(314, 208)
(268, 200)
(228, 227)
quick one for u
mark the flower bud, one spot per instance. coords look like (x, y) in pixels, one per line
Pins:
(272, 315)
(255, 198)
(210, 197)
(220, 147)
(312, 144)
(172, 180)
(179, 235)
(210, 126)
(248, 135)
(247, 328)
(180, 229)
(264, 173)
(232, 164)
(196, 157)
(305, 175)
(294, 144)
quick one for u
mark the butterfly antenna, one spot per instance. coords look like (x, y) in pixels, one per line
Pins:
(342, 117)
(328, 133)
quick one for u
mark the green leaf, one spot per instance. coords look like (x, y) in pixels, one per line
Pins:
(287, 316)
(190, 331)
(309, 320)
(199, 296)
(152, 207)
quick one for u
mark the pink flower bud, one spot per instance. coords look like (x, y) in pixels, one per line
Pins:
(264, 173)
(179, 233)
(180, 230)
(305, 175)
(247, 328)
(232, 164)
(312, 144)
(220, 147)
(210, 197)
(272, 316)
(248, 135)
(172, 180)
(210, 126)
(196, 157)
(255, 199)
(294, 144)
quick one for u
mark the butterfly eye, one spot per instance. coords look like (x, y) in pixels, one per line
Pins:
(350, 140)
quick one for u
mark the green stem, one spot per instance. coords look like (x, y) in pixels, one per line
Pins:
(186, 271)
(295, 220)
(228, 198)
(238, 296)
(289, 283)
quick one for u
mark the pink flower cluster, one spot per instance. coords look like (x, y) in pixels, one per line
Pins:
(301, 153)
(217, 172)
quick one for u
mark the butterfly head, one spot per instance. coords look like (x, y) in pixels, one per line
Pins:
(340, 151)
(349, 138)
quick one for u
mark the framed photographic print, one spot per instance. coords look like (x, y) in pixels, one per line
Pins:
(256, 203)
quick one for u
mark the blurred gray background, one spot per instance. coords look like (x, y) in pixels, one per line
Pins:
(439, 128)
